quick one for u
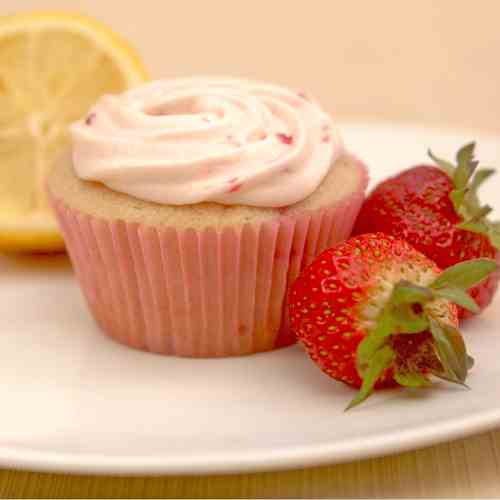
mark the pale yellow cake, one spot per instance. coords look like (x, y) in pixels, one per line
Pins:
(347, 176)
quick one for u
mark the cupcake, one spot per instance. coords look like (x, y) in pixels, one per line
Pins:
(188, 207)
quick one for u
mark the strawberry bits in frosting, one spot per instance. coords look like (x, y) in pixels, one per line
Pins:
(187, 141)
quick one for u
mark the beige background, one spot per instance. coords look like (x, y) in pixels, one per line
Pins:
(429, 61)
(426, 60)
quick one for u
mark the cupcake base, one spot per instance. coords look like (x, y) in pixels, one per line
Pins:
(199, 293)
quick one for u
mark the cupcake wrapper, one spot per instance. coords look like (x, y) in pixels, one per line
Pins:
(194, 293)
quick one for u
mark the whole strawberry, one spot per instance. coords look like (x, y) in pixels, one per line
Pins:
(373, 312)
(437, 210)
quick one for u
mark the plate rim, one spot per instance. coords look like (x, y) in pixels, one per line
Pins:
(280, 459)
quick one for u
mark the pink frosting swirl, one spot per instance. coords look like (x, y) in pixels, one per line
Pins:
(192, 140)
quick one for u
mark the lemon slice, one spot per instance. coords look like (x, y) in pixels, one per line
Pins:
(53, 67)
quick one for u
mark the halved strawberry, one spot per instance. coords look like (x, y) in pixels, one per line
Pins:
(437, 210)
(373, 312)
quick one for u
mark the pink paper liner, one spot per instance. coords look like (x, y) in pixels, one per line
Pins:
(207, 293)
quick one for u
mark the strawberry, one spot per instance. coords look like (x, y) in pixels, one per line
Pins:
(436, 209)
(374, 312)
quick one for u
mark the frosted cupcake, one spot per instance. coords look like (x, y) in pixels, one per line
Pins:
(189, 206)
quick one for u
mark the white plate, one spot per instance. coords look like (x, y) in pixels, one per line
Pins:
(72, 400)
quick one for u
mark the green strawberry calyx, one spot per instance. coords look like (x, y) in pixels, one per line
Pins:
(467, 178)
(407, 312)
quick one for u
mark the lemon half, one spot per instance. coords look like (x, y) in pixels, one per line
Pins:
(53, 67)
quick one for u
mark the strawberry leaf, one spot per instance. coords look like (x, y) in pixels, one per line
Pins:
(466, 153)
(381, 360)
(448, 167)
(480, 227)
(471, 204)
(459, 297)
(451, 350)
(398, 317)
(494, 235)
(409, 379)
(374, 341)
(481, 213)
(404, 296)
(406, 292)
(470, 362)
(407, 321)
(465, 274)
(480, 176)
(448, 378)
(457, 197)
(466, 165)
(467, 180)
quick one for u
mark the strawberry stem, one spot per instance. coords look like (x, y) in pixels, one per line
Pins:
(467, 179)
(399, 316)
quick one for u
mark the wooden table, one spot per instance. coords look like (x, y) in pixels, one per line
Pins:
(427, 61)
(462, 469)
